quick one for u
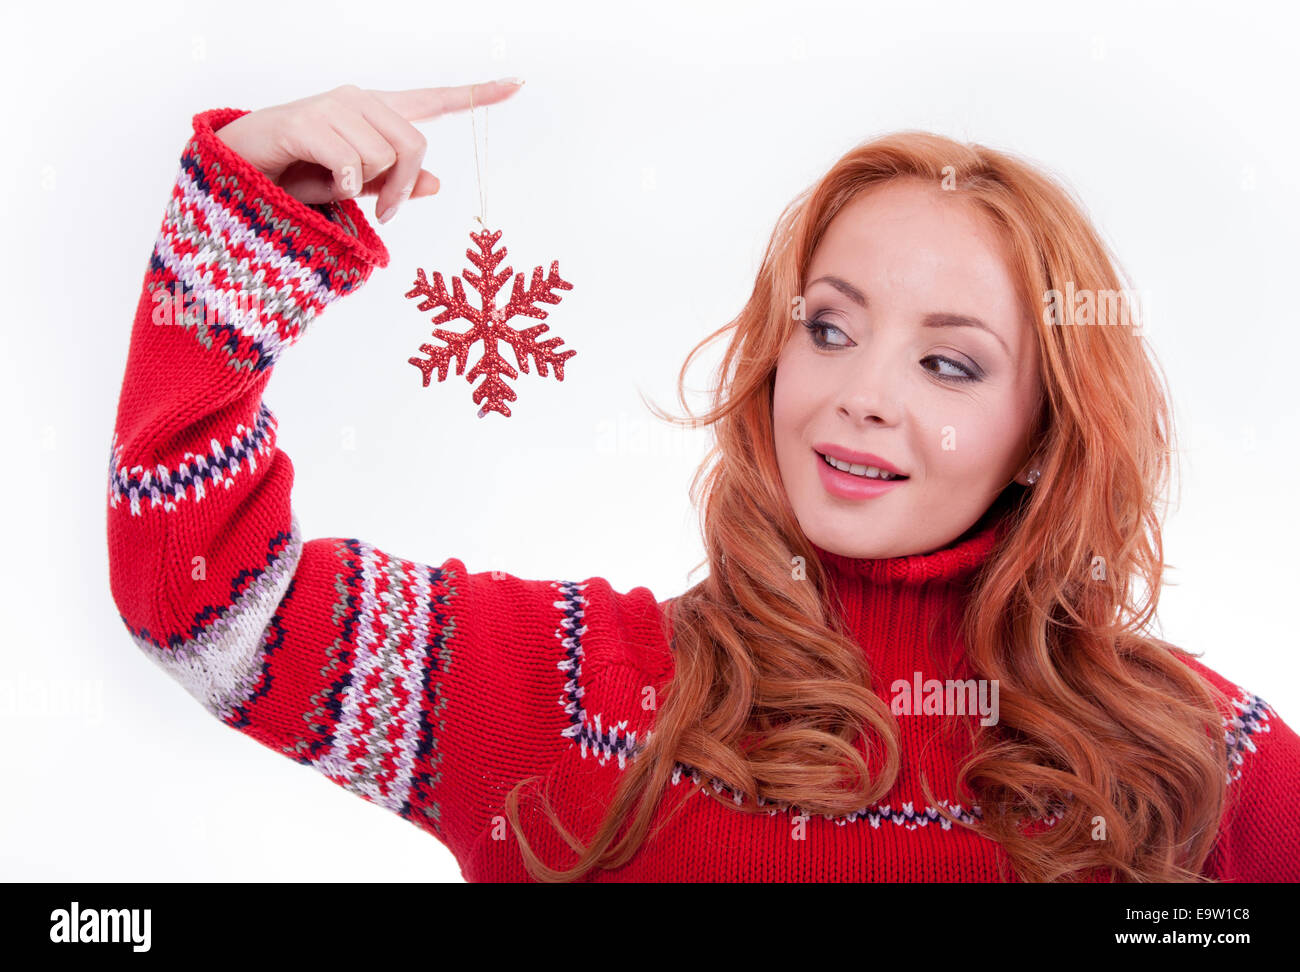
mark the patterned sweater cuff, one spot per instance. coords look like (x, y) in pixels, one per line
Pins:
(339, 227)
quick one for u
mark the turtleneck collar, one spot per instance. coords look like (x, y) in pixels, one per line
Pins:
(959, 560)
(904, 611)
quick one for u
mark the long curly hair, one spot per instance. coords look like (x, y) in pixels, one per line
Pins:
(1098, 717)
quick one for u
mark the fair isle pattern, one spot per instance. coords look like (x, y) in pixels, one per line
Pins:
(222, 660)
(584, 731)
(618, 742)
(254, 287)
(906, 817)
(196, 471)
(1255, 713)
(394, 636)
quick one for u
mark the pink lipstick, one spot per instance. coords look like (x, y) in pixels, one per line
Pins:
(848, 485)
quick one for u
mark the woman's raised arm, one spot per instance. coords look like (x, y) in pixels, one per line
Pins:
(408, 684)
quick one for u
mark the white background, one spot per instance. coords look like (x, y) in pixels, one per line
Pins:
(650, 153)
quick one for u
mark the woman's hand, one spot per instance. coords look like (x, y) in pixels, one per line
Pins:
(353, 142)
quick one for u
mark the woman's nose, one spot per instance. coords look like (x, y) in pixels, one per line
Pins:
(871, 388)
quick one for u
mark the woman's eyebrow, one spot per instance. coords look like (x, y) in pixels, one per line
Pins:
(962, 320)
(844, 287)
(937, 319)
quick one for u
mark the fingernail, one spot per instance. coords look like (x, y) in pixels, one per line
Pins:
(510, 80)
(404, 195)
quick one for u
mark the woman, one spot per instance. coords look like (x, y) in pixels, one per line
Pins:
(918, 654)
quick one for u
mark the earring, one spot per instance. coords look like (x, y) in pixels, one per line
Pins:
(1033, 476)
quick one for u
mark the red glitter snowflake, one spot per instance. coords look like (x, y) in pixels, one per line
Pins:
(489, 324)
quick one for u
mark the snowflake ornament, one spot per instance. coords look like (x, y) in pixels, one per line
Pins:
(490, 324)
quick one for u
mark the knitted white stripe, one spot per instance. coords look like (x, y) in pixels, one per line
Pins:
(585, 732)
(222, 666)
(166, 487)
(287, 289)
(390, 643)
(227, 228)
(1254, 719)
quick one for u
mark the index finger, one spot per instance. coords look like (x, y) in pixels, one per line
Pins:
(420, 104)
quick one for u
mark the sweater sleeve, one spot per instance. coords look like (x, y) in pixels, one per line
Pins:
(408, 684)
(1259, 836)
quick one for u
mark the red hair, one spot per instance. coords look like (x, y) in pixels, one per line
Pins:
(1098, 718)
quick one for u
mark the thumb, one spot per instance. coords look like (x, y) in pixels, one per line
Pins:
(426, 184)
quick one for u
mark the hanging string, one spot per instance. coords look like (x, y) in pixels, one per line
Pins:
(482, 190)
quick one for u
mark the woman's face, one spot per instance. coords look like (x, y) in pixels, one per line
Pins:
(888, 370)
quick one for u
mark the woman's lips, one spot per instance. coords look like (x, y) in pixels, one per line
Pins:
(854, 457)
(848, 486)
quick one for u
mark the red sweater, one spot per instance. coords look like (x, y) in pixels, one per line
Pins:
(429, 690)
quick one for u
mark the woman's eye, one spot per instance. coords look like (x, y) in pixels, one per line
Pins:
(964, 373)
(817, 330)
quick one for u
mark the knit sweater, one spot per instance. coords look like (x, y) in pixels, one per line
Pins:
(430, 690)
